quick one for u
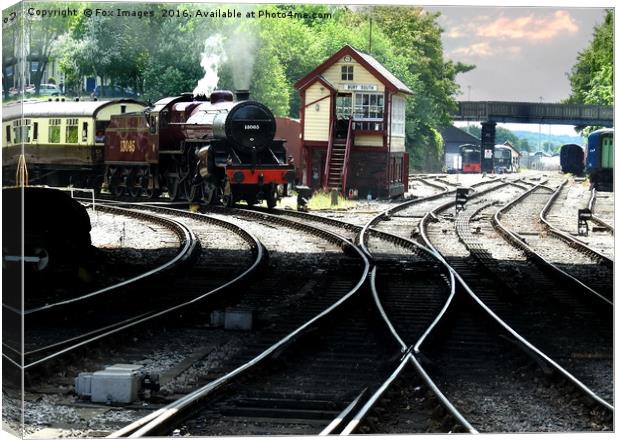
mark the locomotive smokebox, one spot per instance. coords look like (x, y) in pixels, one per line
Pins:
(249, 125)
(242, 95)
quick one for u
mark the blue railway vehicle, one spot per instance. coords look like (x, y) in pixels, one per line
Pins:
(600, 159)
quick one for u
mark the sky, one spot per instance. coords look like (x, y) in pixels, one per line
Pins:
(520, 53)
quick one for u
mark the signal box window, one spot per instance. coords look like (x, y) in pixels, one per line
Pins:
(346, 73)
(53, 132)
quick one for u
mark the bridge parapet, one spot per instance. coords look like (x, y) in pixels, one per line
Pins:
(535, 113)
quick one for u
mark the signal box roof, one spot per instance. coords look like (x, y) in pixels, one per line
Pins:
(371, 64)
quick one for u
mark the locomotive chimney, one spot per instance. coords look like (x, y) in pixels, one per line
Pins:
(242, 95)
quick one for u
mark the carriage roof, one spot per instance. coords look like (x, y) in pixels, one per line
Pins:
(51, 109)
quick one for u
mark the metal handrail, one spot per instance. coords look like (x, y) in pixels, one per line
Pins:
(328, 159)
(347, 152)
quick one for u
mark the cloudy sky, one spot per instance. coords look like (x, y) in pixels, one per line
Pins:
(520, 53)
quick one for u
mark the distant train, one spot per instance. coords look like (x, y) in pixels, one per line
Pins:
(572, 159)
(503, 160)
(470, 158)
(600, 159)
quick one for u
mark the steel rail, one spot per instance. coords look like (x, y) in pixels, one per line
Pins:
(154, 421)
(189, 244)
(524, 342)
(597, 219)
(408, 357)
(520, 242)
(571, 241)
(416, 248)
(257, 248)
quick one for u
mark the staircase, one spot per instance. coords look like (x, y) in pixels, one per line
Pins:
(337, 160)
(336, 165)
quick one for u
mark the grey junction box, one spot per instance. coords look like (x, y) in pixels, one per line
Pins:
(119, 383)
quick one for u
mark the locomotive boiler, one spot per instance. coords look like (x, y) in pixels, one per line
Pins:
(197, 148)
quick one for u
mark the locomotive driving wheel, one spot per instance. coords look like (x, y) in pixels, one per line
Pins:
(208, 193)
(271, 195)
(134, 184)
(148, 185)
(116, 188)
(172, 182)
(227, 197)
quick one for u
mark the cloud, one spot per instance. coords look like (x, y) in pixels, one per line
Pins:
(529, 27)
(484, 50)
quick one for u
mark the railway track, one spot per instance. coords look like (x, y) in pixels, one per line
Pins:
(561, 214)
(567, 333)
(315, 287)
(601, 204)
(48, 339)
(487, 376)
(524, 218)
(308, 386)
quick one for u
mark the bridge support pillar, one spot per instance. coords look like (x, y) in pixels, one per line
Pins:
(487, 146)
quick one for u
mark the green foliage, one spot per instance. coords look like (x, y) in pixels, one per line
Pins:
(161, 56)
(591, 77)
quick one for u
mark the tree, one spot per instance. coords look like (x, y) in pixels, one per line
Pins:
(591, 77)
(41, 34)
(523, 145)
(416, 42)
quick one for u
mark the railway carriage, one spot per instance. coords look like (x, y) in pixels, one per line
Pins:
(62, 141)
(503, 160)
(600, 158)
(572, 159)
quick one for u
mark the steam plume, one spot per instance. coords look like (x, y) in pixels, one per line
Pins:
(212, 57)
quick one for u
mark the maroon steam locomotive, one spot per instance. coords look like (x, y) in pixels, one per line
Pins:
(196, 148)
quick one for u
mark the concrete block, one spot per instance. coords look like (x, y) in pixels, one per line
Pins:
(238, 319)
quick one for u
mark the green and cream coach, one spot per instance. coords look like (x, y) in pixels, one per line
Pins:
(62, 142)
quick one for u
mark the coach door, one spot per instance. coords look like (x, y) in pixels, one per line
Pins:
(607, 152)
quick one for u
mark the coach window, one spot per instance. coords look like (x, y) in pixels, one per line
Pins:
(100, 127)
(84, 131)
(71, 131)
(35, 131)
(22, 128)
(8, 134)
(53, 133)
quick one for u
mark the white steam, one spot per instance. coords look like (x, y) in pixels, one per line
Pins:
(212, 57)
(238, 47)
(241, 47)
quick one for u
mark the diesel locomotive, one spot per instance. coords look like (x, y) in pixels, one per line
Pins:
(470, 158)
(198, 148)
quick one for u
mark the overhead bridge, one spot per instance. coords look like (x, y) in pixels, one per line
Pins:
(535, 113)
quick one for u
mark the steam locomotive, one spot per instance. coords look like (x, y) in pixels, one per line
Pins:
(211, 149)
